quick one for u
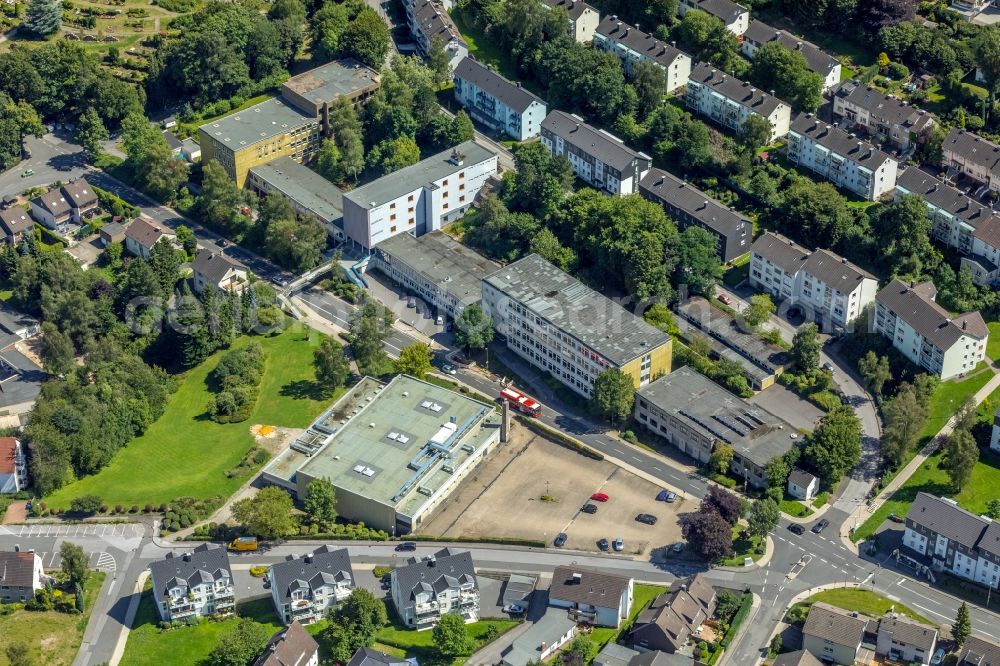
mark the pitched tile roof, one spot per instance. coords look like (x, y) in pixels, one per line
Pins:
(641, 42)
(445, 570)
(147, 233)
(8, 454)
(676, 614)
(54, 201)
(887, 108)
(989, 231)
(915, 306)
(594, 142)
(726, 10)
(587, 586)
(835, 270)
(797, 658)
(838, 626)
(202, 565)
(17, 569)
(742, 92)
(801, 478)
(14, 220)
(979, 652)
(972, 148)
(912, 180)
(575, 8)
(325, 566)
(818, 60)
(668, 188)
(434, 21)
(904, 630)
(839, 141)
(214, 266)
(369, 657)
(947, 519)
(80, 193)
(292, 646)
(783, 252)
(512, 94)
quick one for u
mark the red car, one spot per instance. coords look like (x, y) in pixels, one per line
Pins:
(600, 497)
(725, 298)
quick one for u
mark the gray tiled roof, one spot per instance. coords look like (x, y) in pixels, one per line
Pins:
(434, 21)
(666, 187)
(17, 569)
(972, 148)
(947, 519)
(15, 219)
(512, 94)
(369, 657)
(892, 110)
(292, 646)
(727, 10)
(594, 588)
(956, 202)
(989, 231)
(657, 658)
(323, 566)
(839, 141)
(80, 193)
(213, 265)
(594, 142)
(641, 42)
(797, 658)
(801, 478)
(422, 173)
(838, 626)
(147, 233)
(979, 652)
(54, 201)
(916, 308)
(836, 271)
(758, 101)
(446, 569)
(593, 319)
(818, 60)
(575, 8)
(904, 630)
(990, 541)
(204, 564)
(780, 251)
(673, 616)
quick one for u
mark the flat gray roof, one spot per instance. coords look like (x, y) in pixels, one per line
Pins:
(257, 123)
(425, 172)
(590, 317)
(443, 261)
(715, 413)
(718, 324)
(335, 79)
(304, 186)
(376, 450)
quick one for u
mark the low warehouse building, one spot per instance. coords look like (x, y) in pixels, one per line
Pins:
(393, 451)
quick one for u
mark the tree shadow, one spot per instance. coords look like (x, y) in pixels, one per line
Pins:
(303, 389)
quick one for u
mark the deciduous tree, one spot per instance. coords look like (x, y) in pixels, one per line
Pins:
(759, 311)
(875, 371)
(240, 645)
(805, 347)
(722, 456)
(414, 360)
(834, 448)
(321, 503)
(332, 366)
(473, 328)
(698, 263)
(57, 349)
(354, 623)
(786, 72)
(613, 395)
(903, 418)
(708, 533)
(961, 454)
(73, 562)
(91, 133)
(450, 636)
(724, 503)
(268, 514)
(366, 38)
(763, 517)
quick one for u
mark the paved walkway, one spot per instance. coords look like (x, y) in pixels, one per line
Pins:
(17, 512)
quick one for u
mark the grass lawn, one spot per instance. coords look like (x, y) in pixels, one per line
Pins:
(642, 596)
(420, 644)
(53, 637)
(794, 508)
(864, 601)
(948, 397)
(743, 548)
(185, 454)
(993, 344)
(147, 645)
(487, 52)
(739, 271)
(820, 500)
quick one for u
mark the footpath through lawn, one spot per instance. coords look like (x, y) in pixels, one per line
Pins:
(185, 453)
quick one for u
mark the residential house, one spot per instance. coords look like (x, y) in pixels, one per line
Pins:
(818, 60)
(590, 596)
(831, 290)
(502, 105)
(730, 101)
(370, 657)
(419, 198)
(954, 540)
(970, 9)
(631, 45)
(556, 323)
(173, 142)
(292, 646)
(52, 209)
(309, 193)
(82, 199)
(14, 221)
(429, 21)
(21, 575)
(904, 640)
(735, 17)
(112, 232)
(13, 466)
(190, 151)
(692, 207)
(886, 117)
(978, 651)
(840, 157)
(958, 221)
(424, 590)
(16, 326)
(833, 634)
(675, 617)
(583, 18)
(995, 435)
(143, 234)
(802, 485)
(217, 271)
(928, 334)
(543, 639)
(304, 588)
(695, 414)
(797, 658)
(195, 584)
(597, 157)
(971, 155)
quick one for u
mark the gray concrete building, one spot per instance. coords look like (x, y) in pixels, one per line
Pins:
(308, 192)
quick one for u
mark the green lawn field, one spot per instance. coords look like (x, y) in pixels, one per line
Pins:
(864, 601)
(948, 397)
(185, 454)
(993, 344)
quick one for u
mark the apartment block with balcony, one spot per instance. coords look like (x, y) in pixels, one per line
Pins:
(561, 326)
(304, 588)
(955, 541)
(819, 61)
(195, 584)
(692, 207)
(885, 117)
(583, 18)
(736, 17)
(967, 154)
(429, 22)
(631, 45)
(840, 157)
(424, 590)
(597, 157)
(927, 334)
(501, 105)
(832, 291)
(958, 221)
(729, 101)
(592, 597)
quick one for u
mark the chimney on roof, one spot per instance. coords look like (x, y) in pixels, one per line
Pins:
(577, 579)
(307, 559)
(965, 325)
(187, 557)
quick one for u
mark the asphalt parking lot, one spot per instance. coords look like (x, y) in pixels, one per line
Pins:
(534, 489)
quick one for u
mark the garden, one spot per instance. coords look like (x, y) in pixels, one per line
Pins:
(853, 599)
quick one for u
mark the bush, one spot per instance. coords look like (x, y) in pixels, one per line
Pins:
(380, 571)
(261, 457)
(103, 509)
(148, 508)
(119, 508)
(258, 571)
(237, 376)
(134, 509)
(630, 437)
(163, 508)
(86, 504)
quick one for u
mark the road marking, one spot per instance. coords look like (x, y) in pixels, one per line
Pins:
(928, 610)
(635, 458)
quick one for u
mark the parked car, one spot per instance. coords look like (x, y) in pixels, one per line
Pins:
(820, 526)
(619, 544)
(514, 609)
(27, 172)
(600, 497)
(726, 298)
(589, 508)
(795, 528)
(407, 545)
(560, 540)
(938, 657)
(666, 496)
(647, 518)
(894, 518)
(411, 302)
(828, 366)
(671, 497)
(603, 544)
(678, 547)
(449, 368)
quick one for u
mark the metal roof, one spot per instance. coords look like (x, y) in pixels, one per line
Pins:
(838, 141)
(303, 186)
(260, 122)
(915, 305)
(730, 87)
(591, 141)
(592, 318)
(514, 95)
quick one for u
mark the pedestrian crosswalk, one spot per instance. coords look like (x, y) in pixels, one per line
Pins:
(70, 531)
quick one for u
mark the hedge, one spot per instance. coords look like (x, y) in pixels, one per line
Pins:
(509, 541)
(560, 438)
(741, 614)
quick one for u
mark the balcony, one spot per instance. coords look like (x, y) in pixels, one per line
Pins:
(582, 615)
